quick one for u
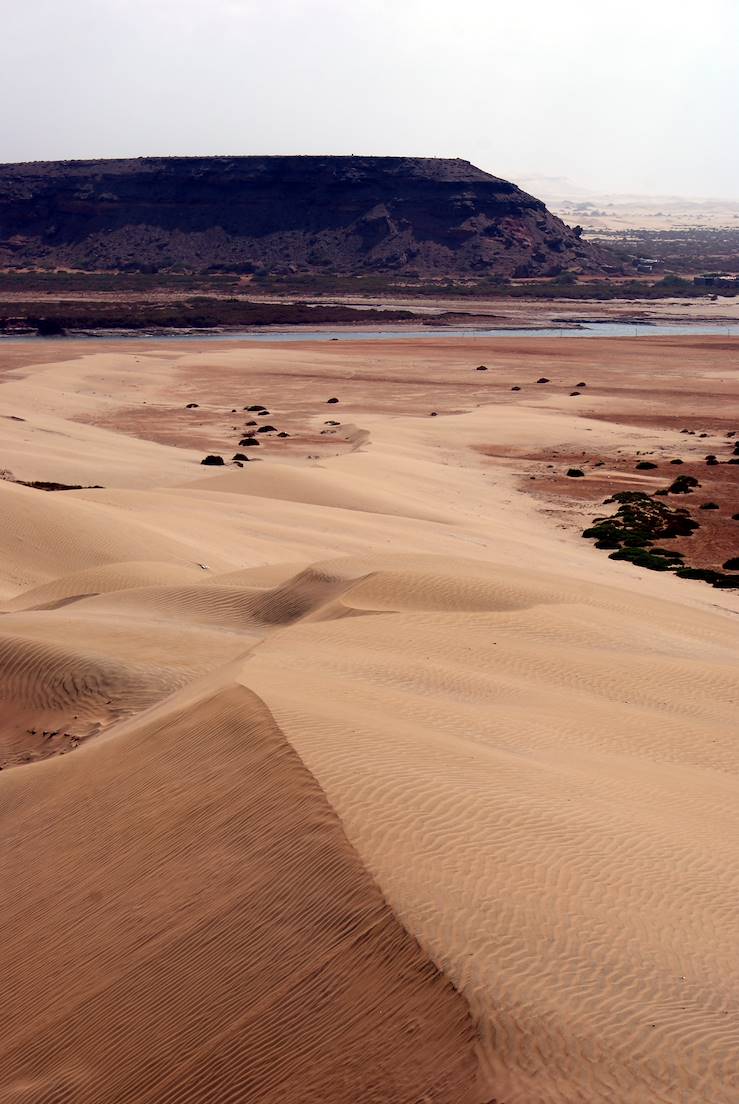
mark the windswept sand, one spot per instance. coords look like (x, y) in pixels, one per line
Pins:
(355, 774)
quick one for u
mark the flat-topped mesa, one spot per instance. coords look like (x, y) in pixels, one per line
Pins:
(353, 215)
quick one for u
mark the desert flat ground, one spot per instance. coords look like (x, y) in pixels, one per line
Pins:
(354, 773)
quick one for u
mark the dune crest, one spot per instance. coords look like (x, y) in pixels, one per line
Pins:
(229, 945)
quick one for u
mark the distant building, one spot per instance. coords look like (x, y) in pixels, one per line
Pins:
(717, 279)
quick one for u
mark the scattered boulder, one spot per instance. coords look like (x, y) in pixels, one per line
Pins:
(283, 434)
(676, 461)
(192, 406)
(481, 368)
(334, 400)
(248, 442)
(333, 422)
(645, 465)
(515, 389)
(255, 408)
(263, 413)
(581, 385)
(733, 460)
(732, 564)
(575, 473)
(267, 429)
(212, 460)
(239, 457)
(433, 414)
(573, 393)
(252, 422)
(543, 379)
(709, 506)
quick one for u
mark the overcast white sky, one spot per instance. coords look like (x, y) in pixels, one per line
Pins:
(617, 95)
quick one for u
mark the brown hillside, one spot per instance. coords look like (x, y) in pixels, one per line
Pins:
(282, 214)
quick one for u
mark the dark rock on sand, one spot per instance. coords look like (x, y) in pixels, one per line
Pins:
(684, 484)
(575, 473)
(212, 460)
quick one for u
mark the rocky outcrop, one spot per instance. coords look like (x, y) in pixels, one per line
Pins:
(282, 214)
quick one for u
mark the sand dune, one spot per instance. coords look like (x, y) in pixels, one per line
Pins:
(355, 774)
(44, 535)
(202, 930)
(101, 580)
(571, 796)
(317, 487)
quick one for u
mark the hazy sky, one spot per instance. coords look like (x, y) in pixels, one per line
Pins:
(633, 95)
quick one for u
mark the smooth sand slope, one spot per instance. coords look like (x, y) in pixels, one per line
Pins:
(355, 774)
(214, 936)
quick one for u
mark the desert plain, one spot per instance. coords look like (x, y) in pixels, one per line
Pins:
(349, 771)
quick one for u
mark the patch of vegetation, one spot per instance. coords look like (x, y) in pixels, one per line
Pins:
(198, 312)
(656, 559)
(716, 578)
(687, 249)
(49, 281)
(684, 484)
(489, 287)
(641, 520)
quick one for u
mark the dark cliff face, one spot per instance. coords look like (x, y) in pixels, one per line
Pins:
(281, 214)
